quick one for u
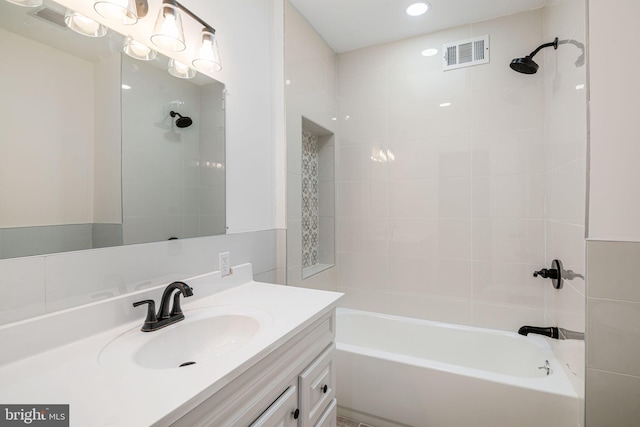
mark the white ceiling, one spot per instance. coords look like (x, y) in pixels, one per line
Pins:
(352, 24)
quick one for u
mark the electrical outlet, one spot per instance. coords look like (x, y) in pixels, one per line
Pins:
(224, 263)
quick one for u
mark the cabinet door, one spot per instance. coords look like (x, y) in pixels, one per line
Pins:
(282, 413)
(330, 416)
(317, 387)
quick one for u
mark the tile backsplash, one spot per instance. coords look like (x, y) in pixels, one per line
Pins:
(58, 281)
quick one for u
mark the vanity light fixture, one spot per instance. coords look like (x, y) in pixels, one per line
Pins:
(137, 50)
(26, 3)
(168, 33)
(124, 12)
(208, 58)
(83, 25)
(180, 70)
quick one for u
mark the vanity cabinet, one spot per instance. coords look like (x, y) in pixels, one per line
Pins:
(293, 386)
(317, 387)
(282, 412)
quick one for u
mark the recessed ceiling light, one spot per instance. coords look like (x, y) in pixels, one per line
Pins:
(429, 52)
(418, 9)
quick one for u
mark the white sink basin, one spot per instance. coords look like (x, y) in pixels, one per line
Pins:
(203, 335)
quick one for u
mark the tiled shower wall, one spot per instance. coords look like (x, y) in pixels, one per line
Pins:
(566, 149)
(443, 177)
(311, 88)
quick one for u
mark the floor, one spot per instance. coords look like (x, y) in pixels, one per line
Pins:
(346, 422)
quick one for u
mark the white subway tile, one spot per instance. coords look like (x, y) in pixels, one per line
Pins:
(454, 198)
(414, 237)
(413, 198)
(507, 318)
(363, 271)
(361, 199)
(455, 238)
(510, 284)
(362, 235)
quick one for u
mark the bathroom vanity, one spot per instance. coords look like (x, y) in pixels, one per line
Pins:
(246, 354)
(293, 386)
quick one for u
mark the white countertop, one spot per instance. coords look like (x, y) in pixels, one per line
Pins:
(100, 395)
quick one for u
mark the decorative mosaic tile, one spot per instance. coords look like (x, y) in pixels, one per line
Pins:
(310, 200)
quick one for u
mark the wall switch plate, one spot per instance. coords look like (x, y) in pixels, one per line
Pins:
(224, 263)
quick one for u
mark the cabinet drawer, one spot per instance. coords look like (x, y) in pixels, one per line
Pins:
(317, 386)
(281, 412)
(330, 416)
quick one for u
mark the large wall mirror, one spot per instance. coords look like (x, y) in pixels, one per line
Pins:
(98, 149)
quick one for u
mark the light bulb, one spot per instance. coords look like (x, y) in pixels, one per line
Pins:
(169, 26)
(208, 58)
(168, 33)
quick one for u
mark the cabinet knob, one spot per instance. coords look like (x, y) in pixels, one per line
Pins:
(296, 414)
(324, 388)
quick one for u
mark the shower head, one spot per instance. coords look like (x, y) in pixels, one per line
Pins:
(527, 65)
(524, 65)
(181, 121)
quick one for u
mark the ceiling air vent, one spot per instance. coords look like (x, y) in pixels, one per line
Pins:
(50, 15)
(466, 53)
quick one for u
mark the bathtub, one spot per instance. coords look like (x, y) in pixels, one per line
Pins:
(395, 371)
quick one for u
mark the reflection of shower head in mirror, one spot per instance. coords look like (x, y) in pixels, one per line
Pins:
(181, 121)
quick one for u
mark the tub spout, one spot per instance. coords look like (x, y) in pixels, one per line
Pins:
(552, 332)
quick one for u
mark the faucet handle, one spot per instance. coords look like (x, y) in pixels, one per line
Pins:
(151, 314)
(176, 310)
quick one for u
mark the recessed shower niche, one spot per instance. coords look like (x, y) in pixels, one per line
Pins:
(316, 195)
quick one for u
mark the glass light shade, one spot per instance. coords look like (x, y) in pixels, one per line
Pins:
(83, 25)
(138, 50)
(26, 3)
(120, 11)
(180, 70)
(208, 57)
(168, 33)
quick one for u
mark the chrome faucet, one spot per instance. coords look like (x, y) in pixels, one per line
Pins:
(164, 318)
